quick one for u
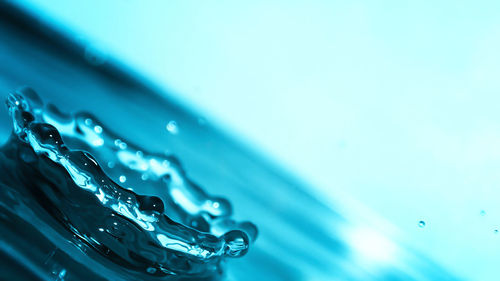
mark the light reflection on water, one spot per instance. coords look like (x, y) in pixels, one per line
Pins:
(300, 238)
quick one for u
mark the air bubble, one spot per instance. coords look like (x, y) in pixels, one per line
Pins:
(123, 178)
(98, 129)
(172, 127)
(421, 224)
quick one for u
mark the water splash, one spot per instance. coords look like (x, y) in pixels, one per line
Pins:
(161, 224)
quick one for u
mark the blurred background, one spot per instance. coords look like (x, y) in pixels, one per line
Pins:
(388, 110)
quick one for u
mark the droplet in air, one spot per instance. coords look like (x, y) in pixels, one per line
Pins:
(172, 127)
(98, 129)
(123, 179)
(421, 224)
(120, 144)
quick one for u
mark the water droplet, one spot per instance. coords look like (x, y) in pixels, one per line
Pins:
(144, 177)
(495, 231)
(120, 144)
(150, 203)
(111, 164)
(88, 121)
(123, 178)
(482, 213)
(172, 127)
(215, 205)
(98, 129)
(236, 243)
(421, 224)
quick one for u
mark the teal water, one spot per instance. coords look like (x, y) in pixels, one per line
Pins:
(65, 179)
(131, 123)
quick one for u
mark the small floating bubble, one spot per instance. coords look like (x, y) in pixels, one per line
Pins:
(421, 224)
(482, 213)
(120, 144)
(495, 231)
(144, 177)
(88, 121)
(123, 178)
(111, 164)
(151, 270)
(98, 129)
(172, 127)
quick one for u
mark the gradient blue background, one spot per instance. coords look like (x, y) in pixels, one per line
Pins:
(389, 108)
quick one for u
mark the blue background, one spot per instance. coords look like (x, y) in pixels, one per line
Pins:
(388, 108)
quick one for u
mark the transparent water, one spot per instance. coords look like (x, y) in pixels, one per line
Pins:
(51, 166)
(46, 232)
